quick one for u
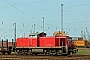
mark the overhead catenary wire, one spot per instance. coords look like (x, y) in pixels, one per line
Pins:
(47, 0)
(68, 14)
(24, 12)
(56, 7)
(53, 16)
(21, 3)
(21, 10)
(33, 17)
(78, 5)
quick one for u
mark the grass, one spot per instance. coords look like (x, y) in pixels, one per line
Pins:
(83, 51)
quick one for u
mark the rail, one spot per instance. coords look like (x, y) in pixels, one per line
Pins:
(27, 57)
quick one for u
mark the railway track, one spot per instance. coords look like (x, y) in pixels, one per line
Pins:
(26, 57)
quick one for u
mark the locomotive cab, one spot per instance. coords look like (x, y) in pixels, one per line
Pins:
(42, 34)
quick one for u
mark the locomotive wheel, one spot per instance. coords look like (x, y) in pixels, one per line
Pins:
(36, 54)
(48, 53)
(69, 53)
(3, 53)
(75, 51)
(8, 53)
(20, 52)
(29, 52)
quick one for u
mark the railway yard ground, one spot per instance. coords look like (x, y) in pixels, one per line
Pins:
(83, 51)
(82, 54)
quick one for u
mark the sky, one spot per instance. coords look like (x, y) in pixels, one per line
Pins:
(26, 13)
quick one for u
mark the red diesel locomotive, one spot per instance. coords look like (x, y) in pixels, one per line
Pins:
(47, 45)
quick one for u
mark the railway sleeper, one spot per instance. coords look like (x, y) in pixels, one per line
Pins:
(6, 52)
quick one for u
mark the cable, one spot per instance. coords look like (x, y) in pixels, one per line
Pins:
(20, 10)
(65, 8)
(20, 4)
(28, 3)
(25, 13)
(77, 5)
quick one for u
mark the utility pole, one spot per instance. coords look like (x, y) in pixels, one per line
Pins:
(34, 28)
(15, 36)
(88, 36)
(61, 17)
(24, 34)
(31, 31)
(81, 33)
(43, 24)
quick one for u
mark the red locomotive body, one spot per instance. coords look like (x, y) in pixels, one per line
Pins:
(33, 42)
(23, 42)
(62, 40)
(26, 42)
(48, 45)
(47, 41)
(53, 41)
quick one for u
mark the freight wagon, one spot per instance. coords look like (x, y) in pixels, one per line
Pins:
(47, 45)
(81, 43)
(6, 47)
